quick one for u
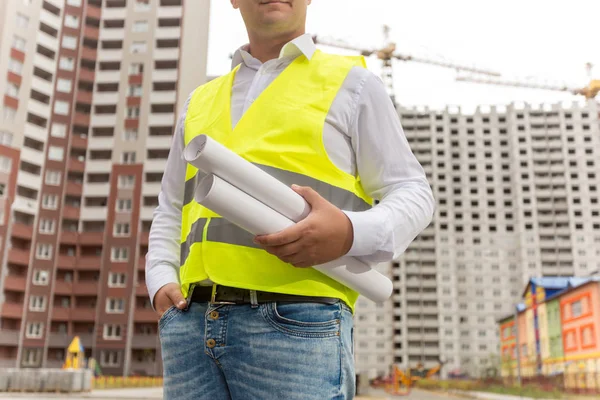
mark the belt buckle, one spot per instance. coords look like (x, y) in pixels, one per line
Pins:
(213, 295)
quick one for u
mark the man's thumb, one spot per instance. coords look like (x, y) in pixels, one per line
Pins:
(309, 194)
(177, 298)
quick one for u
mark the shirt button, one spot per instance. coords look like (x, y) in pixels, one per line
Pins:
(214, 314)
(210, 343)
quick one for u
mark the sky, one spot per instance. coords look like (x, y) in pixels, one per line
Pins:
(547, 41)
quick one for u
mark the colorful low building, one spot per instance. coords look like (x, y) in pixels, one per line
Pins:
(557, 330)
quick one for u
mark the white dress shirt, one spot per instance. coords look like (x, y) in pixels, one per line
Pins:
(362, 136)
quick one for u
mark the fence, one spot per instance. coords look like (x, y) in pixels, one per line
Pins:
(44, 380)
(118, 382)
(575, 382)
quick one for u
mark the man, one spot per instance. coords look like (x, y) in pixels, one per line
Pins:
(246, 317)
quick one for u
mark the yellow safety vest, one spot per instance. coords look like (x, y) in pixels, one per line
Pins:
(282, 133)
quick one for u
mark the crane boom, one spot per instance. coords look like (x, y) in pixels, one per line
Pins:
(444, 64)
(518, 83)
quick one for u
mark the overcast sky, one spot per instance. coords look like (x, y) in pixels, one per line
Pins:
(519, 38)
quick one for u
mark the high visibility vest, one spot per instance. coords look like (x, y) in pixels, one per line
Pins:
(282, 133)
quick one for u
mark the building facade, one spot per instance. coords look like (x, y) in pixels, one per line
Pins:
(516, 191)
(91, 90)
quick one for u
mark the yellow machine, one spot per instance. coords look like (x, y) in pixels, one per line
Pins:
(75, 355)
(403, 381)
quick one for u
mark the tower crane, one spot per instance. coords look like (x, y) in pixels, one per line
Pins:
(388, 53)
(589, 92)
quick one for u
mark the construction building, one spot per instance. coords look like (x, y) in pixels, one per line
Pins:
(91, 90)
(516, 192)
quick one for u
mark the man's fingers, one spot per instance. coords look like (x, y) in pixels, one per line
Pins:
(286, 236)
(309, 194)
(176, 298)
(285, 250)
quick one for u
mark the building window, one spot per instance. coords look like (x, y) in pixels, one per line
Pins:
(22, 21)
(126, 181)
(61, 107)
(119, 254)
(6, 138)
(136, 68)
(37, 303)
(109, 358)
(124, 205)
(138, 47)
(53, 177)
(69, 42)
(35, 330)
(71, 21)
(43, 251)
(140, 26)
(115, 306)
(12, 90)
(58, 130)
(56, 153)
(64, 85)
(74, 3)
(49, 201)
(8, 113)
(576, 309)
(130, 135)
(121, 229)
(47, 226)
(133, 112)
(66, 63)
(112, 332)
(18, 43)
(135, 91)
(142, 5)
(32, 357)
(128, 157)
(41, 277)
(588, 338)
(15, 66)
(117, 279)
(5, 164)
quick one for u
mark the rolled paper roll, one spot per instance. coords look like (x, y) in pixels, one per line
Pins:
(212, 157)
(257, 218)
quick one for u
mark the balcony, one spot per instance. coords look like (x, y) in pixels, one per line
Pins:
(141, 263)
(111, 54)
(168, 32)
(88, 75)
(15, 283)
(22, 231)
(87, 314)
(25, 205)
(66, 261)
(50, 19)
(63, 288)
(102, 166)
(144, 342)
(9, 338)
(104, 120)
(89, 263)
(84, 97)
(170, 12)
(163, 97)
(13, 310)
(141, 289)
(86, 238)
(8, 363)
(74, 189)
(144, 368)
(144, 237)
(157, 165)
(93, 11)
(94, 213)
(164, 75)
(108, 98)
(61, 340)
(81, 119)
(97, 189)
(112, 34)
(166, 54)
(18, 256)
(151, 189)
(145, 315)
(91, 32)
(70, 212)
(85, 288)
(29, 180)
(88, 53)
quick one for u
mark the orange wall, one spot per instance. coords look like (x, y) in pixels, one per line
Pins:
(581, 334)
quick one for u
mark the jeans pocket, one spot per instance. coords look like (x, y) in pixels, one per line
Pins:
(307, 320)
(167, 316)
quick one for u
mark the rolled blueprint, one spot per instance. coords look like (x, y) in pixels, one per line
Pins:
(212, 157)
(257, 218)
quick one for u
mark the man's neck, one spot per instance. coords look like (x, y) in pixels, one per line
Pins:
(265, 49)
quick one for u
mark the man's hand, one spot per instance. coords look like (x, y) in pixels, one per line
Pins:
(167, 296)
(324, 235)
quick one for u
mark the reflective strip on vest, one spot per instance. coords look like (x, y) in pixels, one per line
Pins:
(341, 198)
(195, 236)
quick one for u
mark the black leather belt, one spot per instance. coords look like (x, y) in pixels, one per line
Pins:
(217, 294)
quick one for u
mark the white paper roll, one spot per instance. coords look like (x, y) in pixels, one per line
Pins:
(212, 157)
(257, 218)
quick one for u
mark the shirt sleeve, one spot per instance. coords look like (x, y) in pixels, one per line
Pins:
(390, 173)
(162, 260)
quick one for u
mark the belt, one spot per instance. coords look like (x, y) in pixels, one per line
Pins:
(218, 294)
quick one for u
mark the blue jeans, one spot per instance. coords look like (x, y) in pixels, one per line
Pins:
(272, 351)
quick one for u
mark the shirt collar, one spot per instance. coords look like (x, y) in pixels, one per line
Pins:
(302, 45)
